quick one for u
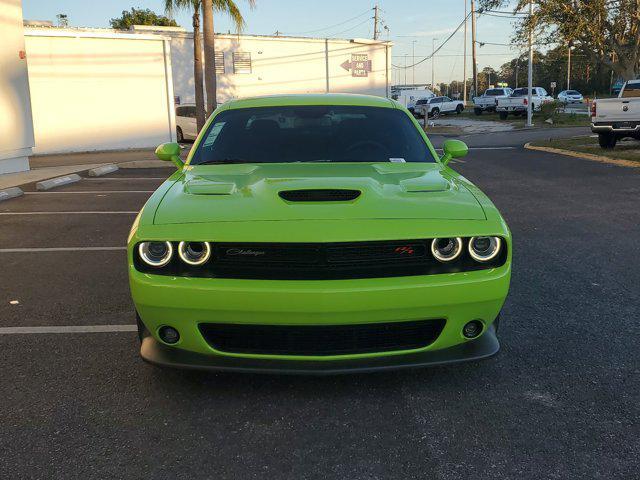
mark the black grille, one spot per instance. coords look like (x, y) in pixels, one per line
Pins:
(321, 340)
(321, 195)
(322, 261)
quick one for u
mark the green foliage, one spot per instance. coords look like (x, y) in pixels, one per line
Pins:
(141, 17)
(548, 110)
(607, 31)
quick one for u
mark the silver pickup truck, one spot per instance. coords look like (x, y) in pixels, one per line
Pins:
(488, 101)
(616, 118)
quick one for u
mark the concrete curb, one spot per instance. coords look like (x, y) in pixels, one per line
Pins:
(12, 192)
(57, 182)
(103, 170)
(587, 156)
(146, 164)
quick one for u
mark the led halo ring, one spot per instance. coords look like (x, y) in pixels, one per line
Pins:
(182, 252)
(441, 258)
(496, 241)
(143, 251)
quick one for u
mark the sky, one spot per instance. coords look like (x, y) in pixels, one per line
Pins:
(413, 24)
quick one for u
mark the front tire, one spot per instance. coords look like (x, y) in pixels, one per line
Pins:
(435, 113)
(179, 135)
(459, 109)
(607, 141)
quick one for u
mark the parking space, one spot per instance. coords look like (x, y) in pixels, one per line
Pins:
(565, 380)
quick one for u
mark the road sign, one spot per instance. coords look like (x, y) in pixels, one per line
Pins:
(553, 84)
(360, 65)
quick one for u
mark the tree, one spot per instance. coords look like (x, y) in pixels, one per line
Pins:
(608, 31)
(140, 17)
(193, 5)
(208, 7)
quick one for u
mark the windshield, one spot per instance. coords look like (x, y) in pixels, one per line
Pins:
(520, 92)
(494, 92)
(572, 92)
(312, 134)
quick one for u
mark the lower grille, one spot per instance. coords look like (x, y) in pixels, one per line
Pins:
(321, 340)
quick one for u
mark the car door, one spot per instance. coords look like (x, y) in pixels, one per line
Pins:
(448, 105)
(190, 122)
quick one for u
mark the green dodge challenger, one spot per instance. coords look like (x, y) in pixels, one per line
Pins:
(317, 234)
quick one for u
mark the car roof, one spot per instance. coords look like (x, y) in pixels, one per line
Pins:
(312, 99)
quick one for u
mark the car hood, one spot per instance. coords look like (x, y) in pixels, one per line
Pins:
(251, 192)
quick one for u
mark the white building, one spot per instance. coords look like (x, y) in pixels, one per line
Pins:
(255, 65)
(97, 89)
(16, 129)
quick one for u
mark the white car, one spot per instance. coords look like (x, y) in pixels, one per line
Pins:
(436, 106)
(186, 127)
(570, 96)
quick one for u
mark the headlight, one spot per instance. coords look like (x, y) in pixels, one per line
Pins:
(446, 249)
(155, 254)
(194, 253)
(483, 249)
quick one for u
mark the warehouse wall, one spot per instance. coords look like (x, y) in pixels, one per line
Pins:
(16, 130)
(99, 91)
(281, 65)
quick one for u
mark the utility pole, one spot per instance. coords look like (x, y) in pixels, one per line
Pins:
(375, 22)
(473, 47)
(530, 73)
(433, 63)
(464, 68)
(405, 69)
(569, 68)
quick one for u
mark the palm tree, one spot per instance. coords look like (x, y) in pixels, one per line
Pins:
(194, 5)
(230, 8)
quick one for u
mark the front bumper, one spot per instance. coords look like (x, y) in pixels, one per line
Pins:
(154, 352)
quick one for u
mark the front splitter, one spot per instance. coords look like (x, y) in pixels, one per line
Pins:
(156, 353)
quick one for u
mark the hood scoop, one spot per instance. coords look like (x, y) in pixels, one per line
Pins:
(425, 183)
(201, 186)
(319, 195)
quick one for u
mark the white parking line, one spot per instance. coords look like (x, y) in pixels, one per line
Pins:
(60, 249)
(77, 192)
(124, 178)
(68, 329)
(93, 212)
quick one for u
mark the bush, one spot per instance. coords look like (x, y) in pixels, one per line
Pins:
(549, 110)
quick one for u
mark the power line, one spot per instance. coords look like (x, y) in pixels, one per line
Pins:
(350, 28)
(332, 26)
(438, 49)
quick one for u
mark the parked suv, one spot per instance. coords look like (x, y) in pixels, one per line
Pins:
(186, 127)
(434, 107)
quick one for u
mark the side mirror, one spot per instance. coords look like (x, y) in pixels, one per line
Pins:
(453, 149)
(170, 152)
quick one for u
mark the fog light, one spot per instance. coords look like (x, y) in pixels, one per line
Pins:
(472, 329)
(169, 335)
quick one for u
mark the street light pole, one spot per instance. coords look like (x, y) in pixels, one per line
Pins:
(530, 73)
(473, 47)
(464, 68)
(569, 69)
(405, 69)
(413, 62)
(433, 64)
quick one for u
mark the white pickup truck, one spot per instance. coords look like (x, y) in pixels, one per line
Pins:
(488, 101)
(616, 118)
(516, 104)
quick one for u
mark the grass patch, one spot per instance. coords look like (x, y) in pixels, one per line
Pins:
(559, 119)
(625, 150)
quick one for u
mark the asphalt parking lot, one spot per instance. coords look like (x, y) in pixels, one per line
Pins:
(560, 401)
